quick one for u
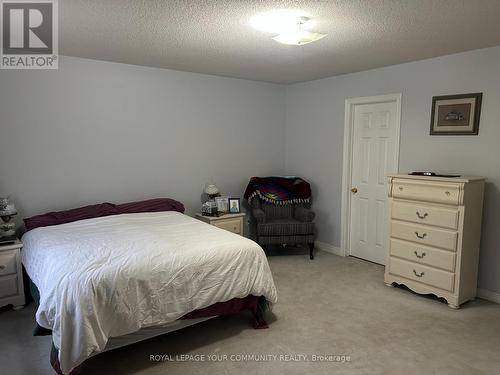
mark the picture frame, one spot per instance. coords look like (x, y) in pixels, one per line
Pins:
(234, 205)
(456, 114)
(222, 204)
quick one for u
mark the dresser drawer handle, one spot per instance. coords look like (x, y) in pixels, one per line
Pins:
(421, 236)
(447, 193)
(2, 266)
(419, 275)
(420, 216)
(401, 188)
(419, 256)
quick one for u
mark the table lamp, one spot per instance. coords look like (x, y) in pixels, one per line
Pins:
(7, 226)
(212, 191)
(209, 208)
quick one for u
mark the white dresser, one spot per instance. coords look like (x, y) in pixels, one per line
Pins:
(11, 276)
(434, 234)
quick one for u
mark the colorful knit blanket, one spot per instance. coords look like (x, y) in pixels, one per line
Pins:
(279, 190)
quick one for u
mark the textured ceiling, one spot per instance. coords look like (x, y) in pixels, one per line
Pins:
(214, 36)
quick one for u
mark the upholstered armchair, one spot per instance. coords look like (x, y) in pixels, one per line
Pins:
(283, 224)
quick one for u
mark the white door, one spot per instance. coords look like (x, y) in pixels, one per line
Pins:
(375, 151)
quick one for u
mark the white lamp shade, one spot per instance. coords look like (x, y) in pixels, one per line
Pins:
(211, 189)
(7, 208)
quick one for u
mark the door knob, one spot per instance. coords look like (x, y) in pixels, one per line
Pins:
(354, 190)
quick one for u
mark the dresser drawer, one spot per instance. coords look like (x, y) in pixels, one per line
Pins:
(425, 214)
(230, 225)
(422, 274)
(8, 262)
(423, 254)
(435, 237)
(8, 286)
(427, 191)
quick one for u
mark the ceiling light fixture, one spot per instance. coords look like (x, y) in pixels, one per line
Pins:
(291, 26)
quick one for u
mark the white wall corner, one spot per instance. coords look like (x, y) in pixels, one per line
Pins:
(323, 246)
(488, 295)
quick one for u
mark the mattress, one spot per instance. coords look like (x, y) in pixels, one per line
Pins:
(112, 276)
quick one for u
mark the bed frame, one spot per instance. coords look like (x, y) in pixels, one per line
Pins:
(257, 305)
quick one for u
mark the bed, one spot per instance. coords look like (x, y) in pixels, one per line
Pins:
(108, 281)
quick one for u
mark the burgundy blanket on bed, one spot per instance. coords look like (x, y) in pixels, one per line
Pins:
(102, 209)
(233, 306)
(151, 205)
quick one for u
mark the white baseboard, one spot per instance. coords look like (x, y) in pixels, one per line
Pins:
(488, 295)
(329, 248)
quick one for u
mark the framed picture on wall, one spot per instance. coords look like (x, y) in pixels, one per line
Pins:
(456, 114)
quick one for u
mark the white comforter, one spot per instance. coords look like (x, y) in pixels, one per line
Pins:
(110, 276)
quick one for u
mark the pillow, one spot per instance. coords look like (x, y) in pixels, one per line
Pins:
(62, 217)
(150, 205)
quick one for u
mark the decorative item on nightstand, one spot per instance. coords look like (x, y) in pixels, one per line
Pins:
(7, 226)
(234, 205)
(222, 204)
(209, 208)
(434, 227)
(212, 191)
(11, 276)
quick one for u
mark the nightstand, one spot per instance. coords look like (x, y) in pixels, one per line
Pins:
(230, 222)
(11, 276)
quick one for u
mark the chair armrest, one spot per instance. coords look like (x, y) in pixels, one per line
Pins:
(304, 214)
(259, 215)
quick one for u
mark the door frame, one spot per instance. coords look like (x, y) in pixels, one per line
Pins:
(350, 104)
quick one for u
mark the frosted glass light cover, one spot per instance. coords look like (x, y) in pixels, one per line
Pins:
(298, 38)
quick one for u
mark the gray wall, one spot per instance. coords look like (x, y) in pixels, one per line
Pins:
(97, 131)
(315, 123)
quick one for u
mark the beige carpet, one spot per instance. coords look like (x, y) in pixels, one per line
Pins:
(329, 306)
